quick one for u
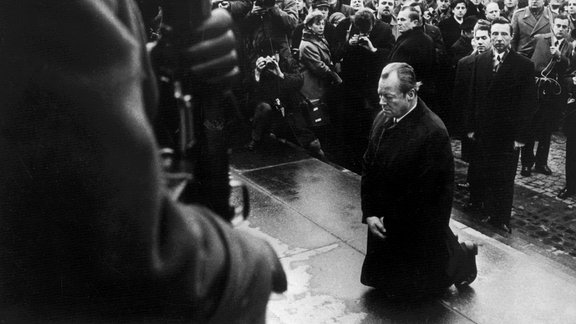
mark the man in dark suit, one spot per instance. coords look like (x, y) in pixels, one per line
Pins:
(552, 57)
(406, 190)
(88, 231)
(461, 99)
(503, 101)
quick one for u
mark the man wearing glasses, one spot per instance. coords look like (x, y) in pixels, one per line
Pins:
(552, 55)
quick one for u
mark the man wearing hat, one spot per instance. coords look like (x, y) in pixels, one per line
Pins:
(329, 31)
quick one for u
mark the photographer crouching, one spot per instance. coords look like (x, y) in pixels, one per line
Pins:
(276, 100)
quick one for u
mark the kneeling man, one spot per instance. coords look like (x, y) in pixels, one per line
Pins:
(407, 188)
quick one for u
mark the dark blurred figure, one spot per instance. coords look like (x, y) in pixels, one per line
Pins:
(88, 232)
(569, 128)
(406, 190)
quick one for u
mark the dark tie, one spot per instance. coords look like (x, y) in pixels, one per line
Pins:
(497, 63)
(556, 44)
(391, 123)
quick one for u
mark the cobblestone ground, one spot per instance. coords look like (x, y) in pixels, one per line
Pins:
(537, 216)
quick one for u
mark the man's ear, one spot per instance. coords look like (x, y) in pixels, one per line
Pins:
(411, 94)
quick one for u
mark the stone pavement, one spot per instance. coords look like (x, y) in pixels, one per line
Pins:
(309, 211)
(537, 216)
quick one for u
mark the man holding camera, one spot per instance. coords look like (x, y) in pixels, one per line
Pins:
(275, 98)
(363, 39)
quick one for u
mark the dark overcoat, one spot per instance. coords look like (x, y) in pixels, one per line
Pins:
(408, 180)
(88, 233)
(416, 48)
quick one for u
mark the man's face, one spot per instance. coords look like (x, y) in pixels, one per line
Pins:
(385, 7)
(482, 40)
(572, 7)
(459, 11)
(492, 11)
(561, 28)
(500, 37)
(475, 2)
(324, 11)
(555, 6)
(443, 5)
(404, 22)
(300, 4)
(357, 4)
(392, 101)
(536, 4)
(510, 4)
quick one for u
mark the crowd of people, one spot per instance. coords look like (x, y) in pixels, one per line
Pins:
(323, 58)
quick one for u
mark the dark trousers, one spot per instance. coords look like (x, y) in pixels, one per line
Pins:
(544, 122)
(496, 172)
(571, 162)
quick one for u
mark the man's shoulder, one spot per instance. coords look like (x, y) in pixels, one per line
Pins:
(467, 60)
(521, 12)
(520, 59)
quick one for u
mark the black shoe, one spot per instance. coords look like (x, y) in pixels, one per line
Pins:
(525, 172)
(543, 169)
(469, 271)
(565, 193)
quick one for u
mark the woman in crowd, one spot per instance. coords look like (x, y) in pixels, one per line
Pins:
(315, 58)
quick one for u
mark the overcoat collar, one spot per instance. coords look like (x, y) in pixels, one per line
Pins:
(537, 25)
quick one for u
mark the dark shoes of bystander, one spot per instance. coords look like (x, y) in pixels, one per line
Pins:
(566, 193)
(526, 171)
(498, 224)
(543, 169)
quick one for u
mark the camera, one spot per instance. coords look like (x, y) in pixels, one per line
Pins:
(265, 3)
(362, 40)
(270, 64)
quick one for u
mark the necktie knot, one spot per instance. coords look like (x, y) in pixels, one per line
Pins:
(557, 43)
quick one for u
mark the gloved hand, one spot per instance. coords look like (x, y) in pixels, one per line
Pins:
(214, 60)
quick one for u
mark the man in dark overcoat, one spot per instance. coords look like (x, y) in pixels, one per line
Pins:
(88, 231)
(461, 99)
(503, 102)
(417, 49)
(406, 190)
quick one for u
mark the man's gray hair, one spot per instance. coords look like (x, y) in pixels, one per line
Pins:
(406, 75)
